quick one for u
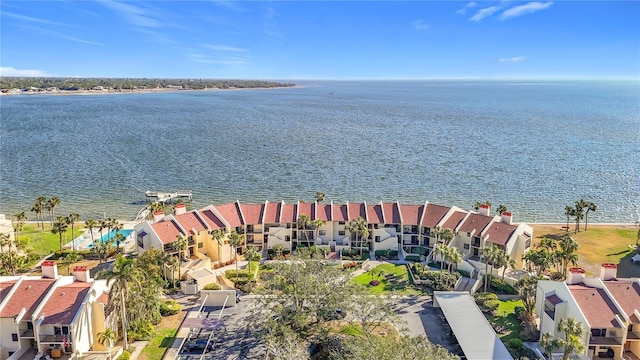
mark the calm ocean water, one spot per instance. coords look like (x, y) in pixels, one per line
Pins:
(534, 147)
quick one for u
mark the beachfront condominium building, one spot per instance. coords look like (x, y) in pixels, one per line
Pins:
(407, 228)
(608, 308)
(51, 314)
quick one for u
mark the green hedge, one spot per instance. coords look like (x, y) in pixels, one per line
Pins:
(212, 286)
(414, 258)
(170, 307)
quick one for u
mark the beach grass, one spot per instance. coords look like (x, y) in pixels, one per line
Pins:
(394, 279)
(599, 244)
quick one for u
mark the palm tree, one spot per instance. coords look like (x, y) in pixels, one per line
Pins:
(108, 338)
(51, 205)
(181, 244)
(455, 257)
(5, 240)
(173, 262)
(446, 235)
(320, 197)
(579, 213)
(572, 341)
(20, 217)
(501, 208)
(490, 255)
(547, 344)
(441, 249)
(123, 275)
(115, 226)
(567, 253)
(303, 224)
(37, 208)
(569, 211)
(478, 204)
(102, 224)
(590, 207)
(360, 229)
(249, 254)
(218, 235)
(70, 259)
(316, 224)
(235, 240)
(71, 220)
(118, 240)
(90, 224)
(59, 227)
(527, 286)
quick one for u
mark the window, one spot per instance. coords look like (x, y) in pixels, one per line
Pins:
(249, 228)
(14, 337)
(341, 233)
(550, 308)
(340, 222)
(287, 238)
(598, 332)
(377, 238)
(469, 234)
(61, 330)
(322, 232)
(200, 245)
(466, 246)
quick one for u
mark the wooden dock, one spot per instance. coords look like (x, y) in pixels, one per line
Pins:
(168, 197)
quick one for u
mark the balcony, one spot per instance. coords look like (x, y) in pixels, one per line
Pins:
(635, 336)
(27, 334)
(605, 340)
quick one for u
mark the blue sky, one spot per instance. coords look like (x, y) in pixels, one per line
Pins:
(320, 39)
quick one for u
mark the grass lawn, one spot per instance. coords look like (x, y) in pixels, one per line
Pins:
(394, 278)
(45, 242)
(158, 344)
(600, 244)
(505, 317)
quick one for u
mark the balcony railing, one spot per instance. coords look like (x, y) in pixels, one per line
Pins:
(605, 340)
(26, 334)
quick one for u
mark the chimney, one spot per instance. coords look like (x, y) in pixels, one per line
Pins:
(484, 209)
(81, 274)
(507, 217)
(49, 269)
(180, 209)
(576, 275)
(608, 271)
(157, 216)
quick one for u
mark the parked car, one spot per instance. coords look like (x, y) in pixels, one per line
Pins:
(197, 345)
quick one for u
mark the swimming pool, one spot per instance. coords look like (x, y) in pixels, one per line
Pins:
(112, 234)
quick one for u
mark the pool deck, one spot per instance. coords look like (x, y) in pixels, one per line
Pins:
(84, 241)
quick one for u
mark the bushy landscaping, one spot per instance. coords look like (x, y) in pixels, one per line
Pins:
(383, 255)
(434, 280)
(501, 314)
(242, 278)
(354, 254)
(170, 307)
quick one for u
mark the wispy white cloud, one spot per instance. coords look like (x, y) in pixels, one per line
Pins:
(483, 13)
(60, 35)
(270, 24)
(135, 15)
(528, 8)
(10, 71)
(420, 25)
(464, 9)
(514, 59)
(224, 48)
(30, 19)
(221, 60)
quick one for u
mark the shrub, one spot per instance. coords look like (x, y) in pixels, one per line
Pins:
(491, 305)
(420, 250)
(393, 253)
(518, 310)
(212, 286)
(463, 273)
(233, 274)
(170, 307)
(483, 297)
(556, 275)
(381, 253)
(126, 355)
(414, 258)
(245, 286)
(350, 265)
(500, 287)
(440, 280)
(374, 282)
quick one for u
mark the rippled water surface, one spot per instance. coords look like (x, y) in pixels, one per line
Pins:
(534, 147)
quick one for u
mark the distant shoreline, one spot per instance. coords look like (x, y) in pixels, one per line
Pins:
(136, 91)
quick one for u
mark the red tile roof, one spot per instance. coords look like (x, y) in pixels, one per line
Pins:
(190, 221)
(64, 303)
(323, 212)
(340, 212)
(454, 220)
(230, 213)
(500, 233)
(252, 213)
(272, 213)
(5, 287)
(433, 214)
(391, 213)
(475, 222)
(167, 231)
(411, 214)
(212, 220)
(627, 294)
(103, 299)
(288, 214)
(595, 305)
(306, 209)
(355, 210)
(374, 214)
(28, 295)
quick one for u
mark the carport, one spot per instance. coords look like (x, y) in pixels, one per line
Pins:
(472, 330)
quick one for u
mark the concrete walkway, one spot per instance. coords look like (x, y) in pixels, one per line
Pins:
(138, 347)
